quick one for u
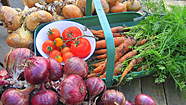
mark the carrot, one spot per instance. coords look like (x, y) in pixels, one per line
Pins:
(92, 75)
(101, 51)
(99, 69)
(117, 29)
(102, 43)
(103, 56)
(124, 48)
(102, 76)
(97, 64)
(97, 32)
(129, 68)
(141, 42)
(126, 56)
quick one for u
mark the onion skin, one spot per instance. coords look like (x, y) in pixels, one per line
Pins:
(119, 7)
(55, 69)
(72, 90)
(94, 86)
(128, 103)
(143, 99)
(133, 5)
(45, 97)
(36, 71)
(15, 58)
(75, 65)
(71, 11)
(113, 97)
(16, 97)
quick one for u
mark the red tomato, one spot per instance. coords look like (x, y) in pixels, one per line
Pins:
(53, 34)
(48, 46)
(71, 32)
(65, 50)
(67, 55)
(81, 47)
(55, 53)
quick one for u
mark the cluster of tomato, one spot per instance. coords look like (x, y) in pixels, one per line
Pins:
(68, 44)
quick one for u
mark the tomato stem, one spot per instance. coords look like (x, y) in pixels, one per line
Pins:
(79, 37)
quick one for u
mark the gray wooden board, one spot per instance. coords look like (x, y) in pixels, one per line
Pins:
(156, 91)
(173, 95)
(131, 89)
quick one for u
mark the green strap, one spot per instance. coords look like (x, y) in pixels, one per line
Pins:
(88, 7)
(109, 42)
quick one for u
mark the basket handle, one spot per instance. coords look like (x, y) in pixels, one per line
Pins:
(108, 37)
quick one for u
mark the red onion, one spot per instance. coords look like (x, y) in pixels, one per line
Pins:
(113, 97)
(3, 74)
(45, 97)
(36, 71)
(16, 96)
(143, 99)
(75, 65)
(15, 58)
(55, 69)
(72, 90)
(94, 86)
(129, 103)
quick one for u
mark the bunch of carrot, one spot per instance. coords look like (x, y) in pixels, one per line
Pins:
(124, 51)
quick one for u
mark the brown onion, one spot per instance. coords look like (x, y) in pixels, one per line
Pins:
(36, 71)
(16, 96)
(72, 11)
(113, 97)
(75, 65)
(105, 6)
(133, 5)
(55, 69)
(94, 86)
(14, 59)
(118, 7)
(72, 90)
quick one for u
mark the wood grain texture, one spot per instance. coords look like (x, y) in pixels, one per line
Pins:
(173, 95)
(131, 89)
(154, 90)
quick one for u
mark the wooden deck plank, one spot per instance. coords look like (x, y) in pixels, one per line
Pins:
(173, 95)
(131, 89)
(154, 90)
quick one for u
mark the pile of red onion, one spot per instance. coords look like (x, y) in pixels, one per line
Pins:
(72, 87)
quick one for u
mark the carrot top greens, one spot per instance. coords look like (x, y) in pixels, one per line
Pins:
(165, 51)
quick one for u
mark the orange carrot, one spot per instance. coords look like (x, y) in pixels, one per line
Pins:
(97, 64)
(102, 43)
(124, 48)
(92, 75)
(130, 67)
(103, 56)
(141, 42)
(117, 29)
(126, 56)
(102, 76)
(99, 69)
(97, 32)
(101, 51)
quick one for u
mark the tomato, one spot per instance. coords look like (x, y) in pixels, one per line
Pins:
(65, 50)
(67, 55)
(70, 33)
(48, 46)
(58, 42)
(55, 54)
(53, 34)
(81, 47)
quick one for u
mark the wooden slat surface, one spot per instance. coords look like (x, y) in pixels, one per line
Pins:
(131, 89)
(154, 90)
(173, 95)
